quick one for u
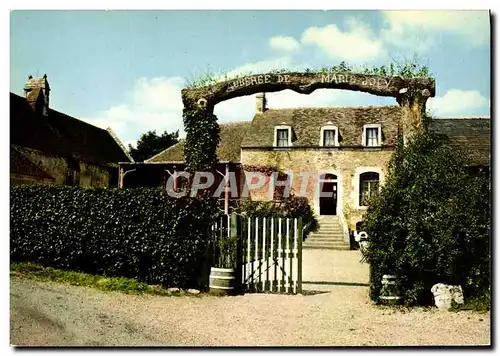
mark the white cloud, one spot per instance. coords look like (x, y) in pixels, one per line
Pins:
(357, 44)
(291, 99)
(153, 104)
(456, 102)
(285, 43)
(419, 28)
(237, 109)
(156, 104)
(158, 94)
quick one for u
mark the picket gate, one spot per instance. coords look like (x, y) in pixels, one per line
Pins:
(269, 257)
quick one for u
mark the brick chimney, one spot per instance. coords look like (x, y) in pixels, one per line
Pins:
(37, 91)
(261, 102)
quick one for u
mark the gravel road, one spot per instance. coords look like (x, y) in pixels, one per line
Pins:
(334, 310)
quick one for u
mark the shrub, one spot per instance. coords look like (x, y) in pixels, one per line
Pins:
(136, 233)
(431, 222)
(290, 207)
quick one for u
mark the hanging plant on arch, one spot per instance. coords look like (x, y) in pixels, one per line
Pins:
(202, 138)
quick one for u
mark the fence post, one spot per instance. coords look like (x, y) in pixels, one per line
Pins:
(235, 229)
(299, 258)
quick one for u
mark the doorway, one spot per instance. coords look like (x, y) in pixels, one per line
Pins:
(328, 194)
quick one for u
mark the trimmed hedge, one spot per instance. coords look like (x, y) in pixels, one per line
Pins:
(137, 233)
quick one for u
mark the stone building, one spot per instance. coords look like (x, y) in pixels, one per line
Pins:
(49, 147)
(337, 157)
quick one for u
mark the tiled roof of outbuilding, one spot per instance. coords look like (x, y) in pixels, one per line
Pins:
(229, 149)
(472, 135)
(61, 134)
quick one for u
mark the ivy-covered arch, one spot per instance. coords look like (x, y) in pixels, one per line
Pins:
(202, 131)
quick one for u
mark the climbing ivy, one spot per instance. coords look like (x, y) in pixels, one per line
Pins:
(202, 139)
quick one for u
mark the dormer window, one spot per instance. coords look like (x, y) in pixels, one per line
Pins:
(329, 136)
(283, 136)
(372, 135)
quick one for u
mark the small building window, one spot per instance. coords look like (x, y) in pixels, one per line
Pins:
(329, 136)
(369, 183)
(372, 135)
(283, 136)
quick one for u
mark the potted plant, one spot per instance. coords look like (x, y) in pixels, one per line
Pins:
(223, 270)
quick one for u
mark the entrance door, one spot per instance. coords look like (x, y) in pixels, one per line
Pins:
(328, 196)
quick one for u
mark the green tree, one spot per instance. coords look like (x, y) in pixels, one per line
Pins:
(150, 144)
(431, 221)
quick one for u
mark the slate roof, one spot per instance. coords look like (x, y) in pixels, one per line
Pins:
(306, 124)
(61, 134)
(472, 135)
(20, 164)
(229, 149)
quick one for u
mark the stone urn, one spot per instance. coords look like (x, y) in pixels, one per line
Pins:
(390, 293)
(445, 294)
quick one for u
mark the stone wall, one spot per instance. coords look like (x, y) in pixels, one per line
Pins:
(93, 175)
(346, 164)
(19, 179)
(90, 175)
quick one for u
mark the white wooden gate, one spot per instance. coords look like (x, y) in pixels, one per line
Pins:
(269, 252)
(271, 255)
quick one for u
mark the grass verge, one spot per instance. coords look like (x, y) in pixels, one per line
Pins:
(121, 284)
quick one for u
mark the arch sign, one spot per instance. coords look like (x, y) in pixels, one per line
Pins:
(410, 93)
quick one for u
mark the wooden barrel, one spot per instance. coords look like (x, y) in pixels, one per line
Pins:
(222, 280)
(390, 293)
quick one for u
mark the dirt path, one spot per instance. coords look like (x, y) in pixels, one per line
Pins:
(334, 311)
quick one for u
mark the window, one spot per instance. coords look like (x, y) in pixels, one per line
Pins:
(368, 187)
(329, 136)
(372, 135)
(282, 136)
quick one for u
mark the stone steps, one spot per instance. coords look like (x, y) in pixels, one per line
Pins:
(336, 245)
(327, 231)
(329, 236)
(332, 227)
(325, 239)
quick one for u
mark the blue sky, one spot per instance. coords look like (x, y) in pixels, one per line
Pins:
(125, 69)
